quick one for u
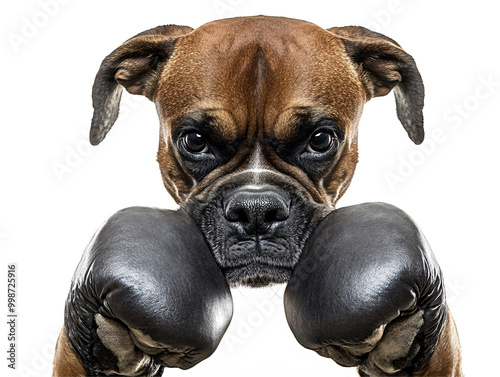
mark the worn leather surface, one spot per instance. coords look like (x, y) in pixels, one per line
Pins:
(368, 291)
(146, 294)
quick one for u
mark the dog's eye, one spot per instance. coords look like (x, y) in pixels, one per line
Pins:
(321, 142)
(194, 143)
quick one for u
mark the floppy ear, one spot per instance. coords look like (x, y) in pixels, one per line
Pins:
(385, 66)
(136, 66)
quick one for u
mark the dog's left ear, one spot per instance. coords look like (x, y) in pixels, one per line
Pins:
(385, 66)
(136, 66)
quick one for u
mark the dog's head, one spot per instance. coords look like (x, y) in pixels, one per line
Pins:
(259, 120)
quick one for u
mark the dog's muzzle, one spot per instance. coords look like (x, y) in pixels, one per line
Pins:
(256, 234)
(256, 231)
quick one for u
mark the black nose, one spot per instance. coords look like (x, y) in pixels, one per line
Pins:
(256, 210)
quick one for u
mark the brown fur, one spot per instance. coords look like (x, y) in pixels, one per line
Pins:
(66, 363)
(446, 360)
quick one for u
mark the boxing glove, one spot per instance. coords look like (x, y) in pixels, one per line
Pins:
(368, 292)
(147, 294)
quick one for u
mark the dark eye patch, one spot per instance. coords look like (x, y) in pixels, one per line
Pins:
(201, 145)
(313, 144)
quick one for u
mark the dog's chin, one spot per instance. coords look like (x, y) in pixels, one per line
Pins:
(257, 275)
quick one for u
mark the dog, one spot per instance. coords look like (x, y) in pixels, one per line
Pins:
(259, 130)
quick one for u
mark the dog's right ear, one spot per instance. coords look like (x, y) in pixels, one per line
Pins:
(136, 66)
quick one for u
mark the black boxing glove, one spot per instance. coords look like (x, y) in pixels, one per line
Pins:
(368, 292)
(147, 294)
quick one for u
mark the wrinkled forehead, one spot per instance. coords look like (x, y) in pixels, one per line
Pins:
(257, 72)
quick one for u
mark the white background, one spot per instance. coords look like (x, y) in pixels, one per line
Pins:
(449, 185)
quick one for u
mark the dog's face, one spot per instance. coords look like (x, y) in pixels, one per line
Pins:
(259, 121)
(263, 151)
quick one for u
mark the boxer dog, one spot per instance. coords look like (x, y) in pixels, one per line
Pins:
(258, 141)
